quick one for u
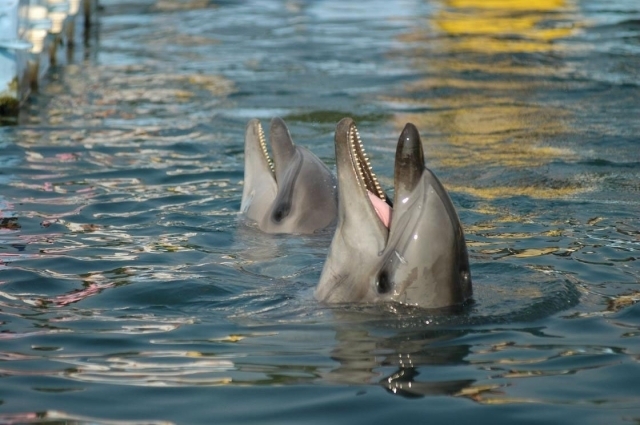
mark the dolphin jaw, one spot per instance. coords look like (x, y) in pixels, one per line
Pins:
(265, 152)
(259, 179)
(360, 160)
(365, 176)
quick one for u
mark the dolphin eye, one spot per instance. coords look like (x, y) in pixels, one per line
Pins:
(384, 284)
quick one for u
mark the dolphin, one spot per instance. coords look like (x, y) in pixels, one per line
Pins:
(292, 193)
(412, 250)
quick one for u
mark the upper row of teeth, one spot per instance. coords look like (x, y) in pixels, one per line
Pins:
(263, 145)
(355, 137)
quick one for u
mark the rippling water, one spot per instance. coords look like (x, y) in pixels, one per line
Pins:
(130, 292)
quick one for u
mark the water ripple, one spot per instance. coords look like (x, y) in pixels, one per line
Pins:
(127, 274)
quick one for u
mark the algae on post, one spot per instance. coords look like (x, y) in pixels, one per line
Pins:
(9, 102)
(9, 106)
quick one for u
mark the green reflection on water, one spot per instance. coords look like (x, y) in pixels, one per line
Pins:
(332, 117)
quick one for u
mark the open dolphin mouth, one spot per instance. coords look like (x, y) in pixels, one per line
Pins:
(380, 202)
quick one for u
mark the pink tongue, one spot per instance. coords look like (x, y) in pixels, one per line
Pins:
(382, 209)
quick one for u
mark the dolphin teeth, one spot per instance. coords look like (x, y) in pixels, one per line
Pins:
(363, 164)
(263, 145)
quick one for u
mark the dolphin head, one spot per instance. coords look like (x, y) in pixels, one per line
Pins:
(292, 193)
(418, 256)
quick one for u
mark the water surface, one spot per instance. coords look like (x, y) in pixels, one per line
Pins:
(131, 293)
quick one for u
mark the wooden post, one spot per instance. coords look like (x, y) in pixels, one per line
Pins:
(32, 33)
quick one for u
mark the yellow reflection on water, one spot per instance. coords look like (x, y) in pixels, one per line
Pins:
(481, 107)
(489, 134)
(511, 25)
(547, 5)
(509, 191)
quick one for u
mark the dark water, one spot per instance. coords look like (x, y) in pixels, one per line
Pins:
(129, 292)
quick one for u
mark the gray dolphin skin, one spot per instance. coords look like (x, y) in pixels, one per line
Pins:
(420, 259)
(292, 193)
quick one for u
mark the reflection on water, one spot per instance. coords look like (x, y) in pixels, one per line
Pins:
(126, 274)
(393, 362)
(506, 26)
(155, 368)
(54, 417)
(485, 66)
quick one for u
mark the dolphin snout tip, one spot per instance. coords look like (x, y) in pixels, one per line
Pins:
(410, 133)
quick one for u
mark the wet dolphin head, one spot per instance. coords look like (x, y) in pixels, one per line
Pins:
(292, 193)
(410, 251)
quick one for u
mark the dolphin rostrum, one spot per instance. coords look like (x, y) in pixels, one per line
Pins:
(411, 251)
(293, 193)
